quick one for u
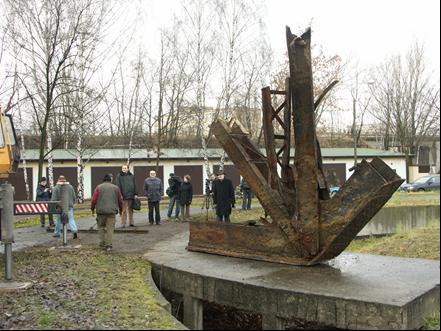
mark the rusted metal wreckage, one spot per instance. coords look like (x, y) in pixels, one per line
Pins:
(306, 226)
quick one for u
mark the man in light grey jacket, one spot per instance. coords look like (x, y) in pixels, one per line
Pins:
(153, 191)
(56, 196)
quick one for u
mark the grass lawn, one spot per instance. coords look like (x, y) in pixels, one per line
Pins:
(417, 243)
(237, 215)
(85, 289)
(413, 199)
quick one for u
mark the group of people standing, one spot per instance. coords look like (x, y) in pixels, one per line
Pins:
(180, 193)
(110, 199)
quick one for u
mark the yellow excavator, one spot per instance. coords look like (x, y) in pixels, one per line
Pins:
(9, 149)
(9, 161)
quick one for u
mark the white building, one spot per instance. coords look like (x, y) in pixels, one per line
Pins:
(337, 162)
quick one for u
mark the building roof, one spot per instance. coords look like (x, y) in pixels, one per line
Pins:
(191, 153)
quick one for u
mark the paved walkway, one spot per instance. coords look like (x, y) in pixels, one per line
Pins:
(36, 235)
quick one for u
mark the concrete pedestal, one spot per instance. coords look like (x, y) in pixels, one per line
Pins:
(14, 286)
(193, 313)
(353, 291)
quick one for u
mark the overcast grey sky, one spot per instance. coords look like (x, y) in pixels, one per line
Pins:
(361, 31)
(367, 31)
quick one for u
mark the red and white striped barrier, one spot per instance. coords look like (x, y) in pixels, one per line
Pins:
(33, 208)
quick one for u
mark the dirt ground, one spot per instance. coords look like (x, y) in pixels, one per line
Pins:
(135, 243)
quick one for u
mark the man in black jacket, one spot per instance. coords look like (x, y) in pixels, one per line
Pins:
(223, 197)
(125, 181)
(44, 193)
(174, 183)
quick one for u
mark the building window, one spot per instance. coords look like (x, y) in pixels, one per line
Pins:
(423, 169)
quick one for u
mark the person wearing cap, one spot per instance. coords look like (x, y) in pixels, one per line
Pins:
(125, 181)
(108, 201)
(44, 193)
(223, 197)
(174, 183)
(56, 196)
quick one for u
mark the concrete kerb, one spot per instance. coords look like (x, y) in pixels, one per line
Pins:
(357, 291)
(163, 303)
(63, 249)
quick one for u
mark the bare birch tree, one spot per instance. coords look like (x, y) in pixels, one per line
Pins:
(200, 33)
(407, 99)
(360, 99)
(46, 31)
(237, 19)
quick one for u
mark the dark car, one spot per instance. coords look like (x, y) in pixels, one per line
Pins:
(426, 183)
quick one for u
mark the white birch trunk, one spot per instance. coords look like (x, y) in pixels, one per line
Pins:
(23, 153)
(222, 162)
(50, 163)
(130, 147)
(80, 171)
(23, 158)
(207, 165)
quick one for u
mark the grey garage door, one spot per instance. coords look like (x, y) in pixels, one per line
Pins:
(142, 172)
(196, 174)
(99, 172)
(17, 180)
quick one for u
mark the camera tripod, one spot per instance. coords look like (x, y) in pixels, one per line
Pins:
(207, 204)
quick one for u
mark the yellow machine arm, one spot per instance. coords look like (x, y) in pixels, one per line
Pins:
(9, 149)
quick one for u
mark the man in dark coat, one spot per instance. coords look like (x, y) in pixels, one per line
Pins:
(44, 193)
(153, 191)
(223, 197)
(125, 181)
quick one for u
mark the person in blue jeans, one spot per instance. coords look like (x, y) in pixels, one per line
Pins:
(174, 184)
(56, 196)
(247, 194)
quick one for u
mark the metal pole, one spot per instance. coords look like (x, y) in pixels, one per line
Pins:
(7, 225)
(64, 211)
(8, 261)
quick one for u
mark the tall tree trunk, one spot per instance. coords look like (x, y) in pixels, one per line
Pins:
(80, 170)
(50, 163)
(23, 155)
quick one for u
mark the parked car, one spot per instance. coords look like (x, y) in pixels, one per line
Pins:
(426, 183)
(333, 190)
